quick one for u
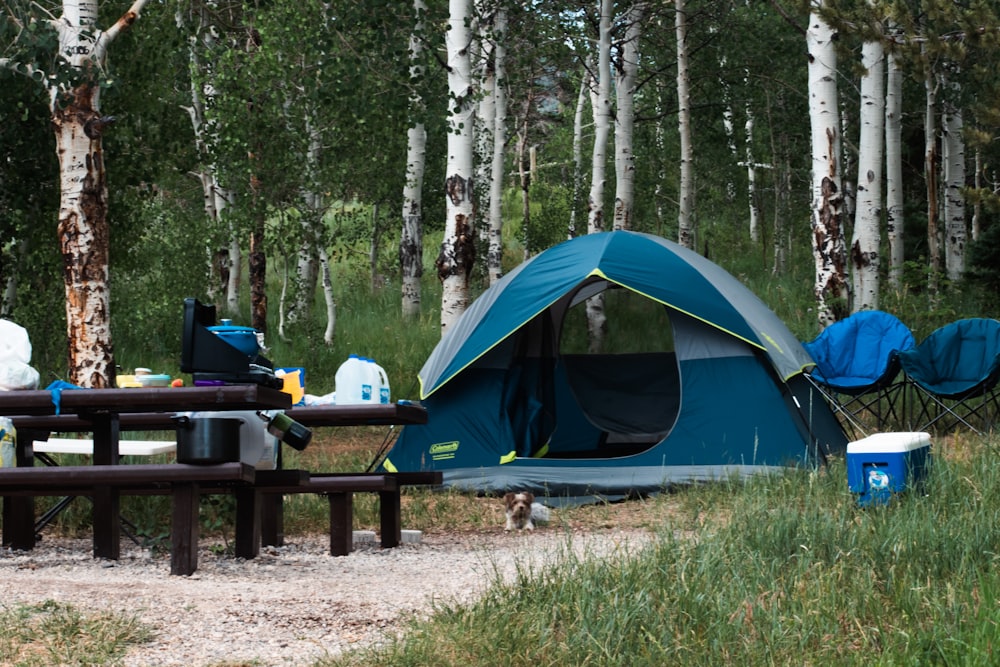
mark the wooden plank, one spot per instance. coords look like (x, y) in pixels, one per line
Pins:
(38, 478)
(356, 415)
(145, 399)
(311, 415)
(419, 478)
(285, 477)
(71, 423)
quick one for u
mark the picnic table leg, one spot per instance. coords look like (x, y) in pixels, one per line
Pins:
(184, 529)
(19, 523)
(107, 508)
(19, 511)
(248, 522)
(272, 520)
(341, 523)
(391, 524)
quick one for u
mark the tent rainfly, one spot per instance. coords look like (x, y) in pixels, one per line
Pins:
(697, 379)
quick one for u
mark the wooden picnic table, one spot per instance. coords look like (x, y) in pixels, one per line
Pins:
(101, 411)
(259, 517)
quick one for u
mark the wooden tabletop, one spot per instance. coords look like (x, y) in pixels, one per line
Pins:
(144, 399)
(312, 416)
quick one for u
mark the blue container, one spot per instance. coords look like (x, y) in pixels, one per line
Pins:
(243, 339)
(885, 464)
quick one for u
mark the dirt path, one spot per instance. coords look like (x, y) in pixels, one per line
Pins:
(291, 604)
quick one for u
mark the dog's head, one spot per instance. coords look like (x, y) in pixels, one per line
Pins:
(519, 504)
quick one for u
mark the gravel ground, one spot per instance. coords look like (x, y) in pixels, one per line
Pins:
(292, 604)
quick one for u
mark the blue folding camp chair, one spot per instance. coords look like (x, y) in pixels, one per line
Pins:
(857, 368)
(954, 374)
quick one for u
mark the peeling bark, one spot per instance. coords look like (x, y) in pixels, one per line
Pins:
(953, 162)
(829, 251)
(83, 208)
(454, 263)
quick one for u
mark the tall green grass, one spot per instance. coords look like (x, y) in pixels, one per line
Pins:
(780, 570)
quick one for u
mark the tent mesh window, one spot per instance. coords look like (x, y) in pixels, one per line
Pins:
(624, 395)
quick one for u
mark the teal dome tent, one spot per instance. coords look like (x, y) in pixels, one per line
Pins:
(696, 379)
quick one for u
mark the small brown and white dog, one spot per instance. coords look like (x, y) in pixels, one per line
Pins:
(519, 511)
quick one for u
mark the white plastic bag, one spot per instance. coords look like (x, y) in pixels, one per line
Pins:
(15, 355)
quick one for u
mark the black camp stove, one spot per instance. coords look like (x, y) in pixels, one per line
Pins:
(211, 360)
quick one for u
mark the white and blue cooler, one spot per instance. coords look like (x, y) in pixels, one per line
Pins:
(886, 463)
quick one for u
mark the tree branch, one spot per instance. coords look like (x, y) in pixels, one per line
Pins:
(123, 23)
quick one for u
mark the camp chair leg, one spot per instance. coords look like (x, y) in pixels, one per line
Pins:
(846, 418)
(942, 415)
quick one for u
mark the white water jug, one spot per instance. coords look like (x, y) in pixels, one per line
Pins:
(372, 383)
(353, 381)
(382, 384)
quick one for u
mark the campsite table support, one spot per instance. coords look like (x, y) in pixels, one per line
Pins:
(260, 500)
(100, 412)
(332, 416)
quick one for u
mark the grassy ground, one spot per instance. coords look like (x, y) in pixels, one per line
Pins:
(785, 570)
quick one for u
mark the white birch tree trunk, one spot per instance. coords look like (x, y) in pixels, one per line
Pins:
(751, 164)
(581, 105)
(235, 271)
(524, 173)
(311, 223)
(458, 249)
(216, 198)
(685, 225)
(846, 167)
(627, 70)
(865, 244)
(495, 251)
(331, 304)
(829, 252)
(83, 227)
(411, 246)
(660, 142)
(485, 45)
(977, 183)
(894, 213)
(931, 177)
(953, 163)
(601, 102)
(729, 127)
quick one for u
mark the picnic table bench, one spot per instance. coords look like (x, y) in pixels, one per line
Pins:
(186, 483)
(182, 482)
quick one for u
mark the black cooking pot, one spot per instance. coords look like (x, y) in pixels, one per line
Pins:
(203, 440)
